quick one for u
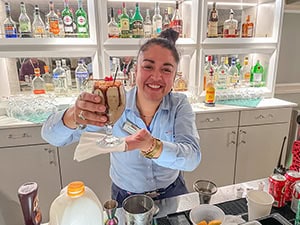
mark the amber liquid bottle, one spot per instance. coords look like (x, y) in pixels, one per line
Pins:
(210, 90)
(212, 29)
(247, 28)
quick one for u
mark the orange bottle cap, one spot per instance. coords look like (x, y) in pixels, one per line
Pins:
(76, 189)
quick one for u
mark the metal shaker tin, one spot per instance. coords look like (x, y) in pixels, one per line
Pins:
(295, 197)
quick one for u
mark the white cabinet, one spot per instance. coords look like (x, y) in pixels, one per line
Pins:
(24, 157)
(240, 146)
(93, 172)
(218, 136)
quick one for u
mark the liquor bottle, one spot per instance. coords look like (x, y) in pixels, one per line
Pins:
(49, 86)
(38, 83)
(257, 78)
(180, 83)
(147, 25)
(67, 18)
(38, 26)
(247, 28)
(52, 21)
(130, 14)
(124, 23)
(166, 20)
(210, 91)
(24, 22)
(81, 75)
(230, 27)
(233, 74)
(157, 20)
(81, 21)
(177, 21)
(60, 24)
(212, 30)
(113, 28)
(207, 70)
(10, 27)
(245, 73)
(68, 74)
(119, 17)
(137, 23)
(222, 75)
(60, 79)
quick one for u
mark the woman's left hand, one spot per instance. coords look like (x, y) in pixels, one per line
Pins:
(140, 140)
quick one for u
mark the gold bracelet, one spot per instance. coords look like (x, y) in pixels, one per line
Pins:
(157, 148)
(150, 149)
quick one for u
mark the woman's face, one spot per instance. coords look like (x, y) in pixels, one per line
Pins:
(155, 72)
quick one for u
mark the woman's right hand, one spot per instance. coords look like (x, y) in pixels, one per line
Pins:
(87, 109)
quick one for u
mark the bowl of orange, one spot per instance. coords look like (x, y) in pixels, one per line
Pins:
(206, 214)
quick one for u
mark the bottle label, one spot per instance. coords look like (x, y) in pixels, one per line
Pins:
(81, 75)
(37, 92)
(10, 30)
(257, 77)
(81, 21)
(210, 95)
(54, 26)
(212, 29)
(137, 28)
(68, 20)
(25, 27)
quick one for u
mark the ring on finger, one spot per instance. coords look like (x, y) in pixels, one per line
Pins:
(80, 115)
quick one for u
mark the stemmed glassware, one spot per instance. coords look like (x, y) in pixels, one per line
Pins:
(112, 95)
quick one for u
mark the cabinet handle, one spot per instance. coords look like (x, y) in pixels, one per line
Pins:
(211, 120)
(260, 117)
(52, 156)
(242, 133)
(233, 137)
(24, 135)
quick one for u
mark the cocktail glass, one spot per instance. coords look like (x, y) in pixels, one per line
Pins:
(205, 189)
(112, 95)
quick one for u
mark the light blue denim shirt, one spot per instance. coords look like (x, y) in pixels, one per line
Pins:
(173, 123)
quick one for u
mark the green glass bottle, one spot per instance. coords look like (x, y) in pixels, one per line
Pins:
(257, 78)
(68, 21)
(81, 21)
(124, 23)
(137, 23)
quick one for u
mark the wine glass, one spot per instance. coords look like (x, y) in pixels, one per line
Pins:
(112, 95)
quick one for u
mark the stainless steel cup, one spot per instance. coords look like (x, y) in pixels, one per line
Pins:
(205, 189)
(138, 210)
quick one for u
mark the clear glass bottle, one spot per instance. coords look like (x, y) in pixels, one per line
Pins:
(212, 29)
(38, 26)
(24, 22)
(60, 79)
(147, 25)
(81, 21)
(245, 73)
(137, 23)
(81, 75)
(68, 74)
(177, 20)
(52, 21)
(180, 83)
(166, 21)
(49, 86)
(257, 78)
(124, 23)
(233, 74)
(248, 28)
(157, 20)
(113, 28)
(60, 24)
(210, 90)
(222, 75)
(207, 69)
(230, 27)
(10, 27)
(38, 83)
(68, 20)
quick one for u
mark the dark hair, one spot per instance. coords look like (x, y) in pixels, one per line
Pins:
(166, 39)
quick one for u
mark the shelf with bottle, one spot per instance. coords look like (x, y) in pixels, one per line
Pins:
(48, 22)
(180, 20)
(240, 69)
(235, 22)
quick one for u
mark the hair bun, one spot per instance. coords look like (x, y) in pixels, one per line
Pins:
(170, 34)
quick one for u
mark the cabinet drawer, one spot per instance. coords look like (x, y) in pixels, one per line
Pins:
(213, 120)
(20, 136)
(265, 116)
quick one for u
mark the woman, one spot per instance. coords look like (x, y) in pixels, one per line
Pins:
(167, 142)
